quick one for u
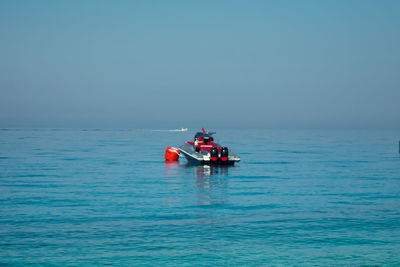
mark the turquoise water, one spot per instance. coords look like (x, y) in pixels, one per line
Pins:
(96, 197)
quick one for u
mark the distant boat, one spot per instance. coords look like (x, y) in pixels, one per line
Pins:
(173, 130)
(179, 130)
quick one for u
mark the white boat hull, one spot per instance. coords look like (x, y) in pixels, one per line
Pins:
(204, 158)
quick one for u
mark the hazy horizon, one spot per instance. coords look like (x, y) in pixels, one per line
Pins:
(229, 64)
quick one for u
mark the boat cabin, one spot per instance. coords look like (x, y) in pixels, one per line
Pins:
(203, 141)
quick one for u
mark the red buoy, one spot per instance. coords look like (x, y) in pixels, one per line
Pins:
(172, 154)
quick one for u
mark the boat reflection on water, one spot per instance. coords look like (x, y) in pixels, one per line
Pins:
(209, 182)
(201, 172)
(172, 168)
(212, 184)
(204, 172)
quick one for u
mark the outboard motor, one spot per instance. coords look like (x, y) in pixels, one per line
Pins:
(224, 153)
(214, 154)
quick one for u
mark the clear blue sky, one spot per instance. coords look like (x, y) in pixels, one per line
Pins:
(200, 63)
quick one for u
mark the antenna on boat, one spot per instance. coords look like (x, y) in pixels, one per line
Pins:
(209, 133)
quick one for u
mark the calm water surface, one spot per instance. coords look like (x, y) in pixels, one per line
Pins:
(95, 197)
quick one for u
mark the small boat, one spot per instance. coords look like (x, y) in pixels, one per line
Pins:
(173, 130)
(203, 150)
(179, 130)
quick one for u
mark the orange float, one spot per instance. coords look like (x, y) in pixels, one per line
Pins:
(172, 154)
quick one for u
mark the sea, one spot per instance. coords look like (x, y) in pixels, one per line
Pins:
(93, 197)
